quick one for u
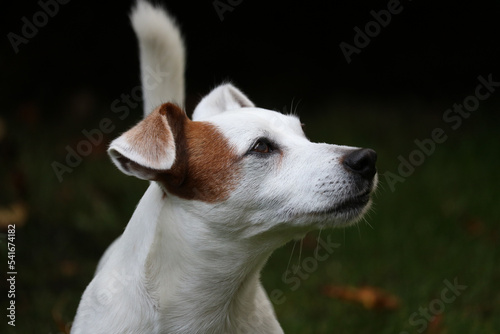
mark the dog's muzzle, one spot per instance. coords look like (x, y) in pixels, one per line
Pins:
(362, 163)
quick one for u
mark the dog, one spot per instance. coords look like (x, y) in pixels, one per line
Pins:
(226, 189)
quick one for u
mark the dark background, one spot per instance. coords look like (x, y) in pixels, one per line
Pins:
(440, 222)
(274, 50)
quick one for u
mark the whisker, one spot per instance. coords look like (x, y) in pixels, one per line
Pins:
(359, 232)
(367, 223)
(319, 237)
(300, 251)
(291, 255)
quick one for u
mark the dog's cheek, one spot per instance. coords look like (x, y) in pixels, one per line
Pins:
(206, 168)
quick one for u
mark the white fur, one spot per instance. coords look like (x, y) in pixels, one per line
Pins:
(187, 266)
(120, 147)
(223, 98)
(162, 55)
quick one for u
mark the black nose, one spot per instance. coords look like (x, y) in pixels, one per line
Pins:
(361, 161)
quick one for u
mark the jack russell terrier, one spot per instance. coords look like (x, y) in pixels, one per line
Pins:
(227, 188)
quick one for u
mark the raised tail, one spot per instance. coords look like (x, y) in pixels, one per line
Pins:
(161, 55)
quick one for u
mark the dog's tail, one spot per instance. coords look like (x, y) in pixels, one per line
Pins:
(161, 55)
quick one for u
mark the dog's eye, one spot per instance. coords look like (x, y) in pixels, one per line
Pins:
(262, 146)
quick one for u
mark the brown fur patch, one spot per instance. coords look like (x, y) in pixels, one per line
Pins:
(152, 136)
(205, 166)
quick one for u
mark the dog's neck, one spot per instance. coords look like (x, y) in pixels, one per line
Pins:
(201, 280)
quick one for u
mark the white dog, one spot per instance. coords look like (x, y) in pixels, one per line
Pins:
(228, 188)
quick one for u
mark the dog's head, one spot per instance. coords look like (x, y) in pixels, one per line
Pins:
(247, 169)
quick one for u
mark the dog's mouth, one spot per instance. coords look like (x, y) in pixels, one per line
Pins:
(352, 204)
(350, 208)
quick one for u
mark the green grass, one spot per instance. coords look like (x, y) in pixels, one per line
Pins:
(442, 223)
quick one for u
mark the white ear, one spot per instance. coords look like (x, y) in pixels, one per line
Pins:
(223, 98)
(148, 147)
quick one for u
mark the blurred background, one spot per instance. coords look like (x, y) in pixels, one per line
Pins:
(418, 81)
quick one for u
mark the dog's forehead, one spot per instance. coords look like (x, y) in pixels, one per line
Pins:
(247, 124)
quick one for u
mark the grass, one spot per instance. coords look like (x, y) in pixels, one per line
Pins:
(441, 223)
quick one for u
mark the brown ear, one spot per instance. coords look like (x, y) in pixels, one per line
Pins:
(149, 147)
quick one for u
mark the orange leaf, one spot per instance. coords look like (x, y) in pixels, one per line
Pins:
(68, 268)
(3, 129)
(369, 297)
(436, 325)
(57, 317)
(475, 227)
(17, 214)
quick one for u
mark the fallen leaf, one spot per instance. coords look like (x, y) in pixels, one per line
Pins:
(29, 113)
(3, 129)
(436, 325)
(16, 214)
(68, 268)
(475, 227)
(62, 326)
(369, 297)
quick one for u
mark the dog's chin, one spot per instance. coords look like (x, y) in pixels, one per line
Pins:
(346, 212)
